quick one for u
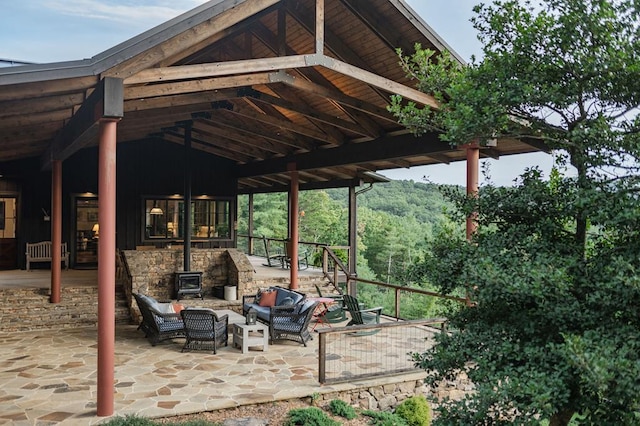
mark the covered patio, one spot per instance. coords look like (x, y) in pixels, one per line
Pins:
(233, 97)
(57, 383)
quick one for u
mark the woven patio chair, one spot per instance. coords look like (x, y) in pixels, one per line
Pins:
(155, 324)
(291, 322)
(205, 330)
(360, 316)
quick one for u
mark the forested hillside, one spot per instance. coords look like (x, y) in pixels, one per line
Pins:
(395, 221)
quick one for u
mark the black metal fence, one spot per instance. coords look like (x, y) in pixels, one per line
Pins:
(364, 351)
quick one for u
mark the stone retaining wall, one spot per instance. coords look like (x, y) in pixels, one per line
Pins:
(385, 397)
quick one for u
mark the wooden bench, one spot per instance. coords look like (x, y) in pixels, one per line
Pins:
(41, 252)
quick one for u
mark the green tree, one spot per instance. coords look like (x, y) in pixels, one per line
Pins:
(553, 267)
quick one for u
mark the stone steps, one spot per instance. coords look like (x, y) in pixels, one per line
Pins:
(24, 309)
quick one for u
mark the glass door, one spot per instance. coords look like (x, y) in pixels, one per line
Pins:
(87, 232)
(8, 243)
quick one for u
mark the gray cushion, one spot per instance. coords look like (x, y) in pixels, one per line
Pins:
(287, 301)
(304, 306)
(284, 293)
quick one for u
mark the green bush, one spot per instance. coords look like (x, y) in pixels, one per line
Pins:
(130, 420)
(384, 418)
(311, 416)
(340, 408)
(415, 411)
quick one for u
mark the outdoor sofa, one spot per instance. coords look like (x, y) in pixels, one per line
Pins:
(284, 298)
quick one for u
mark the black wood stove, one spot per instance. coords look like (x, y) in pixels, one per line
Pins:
(188, 283)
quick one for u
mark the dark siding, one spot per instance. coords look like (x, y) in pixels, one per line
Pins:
(149, 167)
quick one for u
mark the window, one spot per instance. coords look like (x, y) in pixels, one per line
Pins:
(210, 219)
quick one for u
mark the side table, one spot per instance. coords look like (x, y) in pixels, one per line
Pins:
(243, 339)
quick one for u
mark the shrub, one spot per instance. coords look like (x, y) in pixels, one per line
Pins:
(384, 418)
(415, 411)
(340, 408)
(130, 420)
(311, 416)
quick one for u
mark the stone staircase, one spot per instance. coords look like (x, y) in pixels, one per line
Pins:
(24, 309)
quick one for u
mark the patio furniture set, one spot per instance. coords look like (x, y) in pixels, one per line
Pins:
(281, 314)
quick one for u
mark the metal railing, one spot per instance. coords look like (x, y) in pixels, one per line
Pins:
(332, 266)
(364, 351)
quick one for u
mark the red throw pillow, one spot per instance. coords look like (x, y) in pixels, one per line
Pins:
(268, 298)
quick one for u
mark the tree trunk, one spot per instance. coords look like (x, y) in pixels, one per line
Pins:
(578, 161)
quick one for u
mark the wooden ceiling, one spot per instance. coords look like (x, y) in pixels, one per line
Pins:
(262, 83)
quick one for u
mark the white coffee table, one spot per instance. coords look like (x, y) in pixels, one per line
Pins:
(245, 336)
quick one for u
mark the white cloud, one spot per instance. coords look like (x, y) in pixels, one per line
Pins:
(136, 12)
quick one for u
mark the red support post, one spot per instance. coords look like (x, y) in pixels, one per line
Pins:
(106, 265)
(473, 166)
(56, 230)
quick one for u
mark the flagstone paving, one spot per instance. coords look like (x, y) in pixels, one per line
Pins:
(50, 376)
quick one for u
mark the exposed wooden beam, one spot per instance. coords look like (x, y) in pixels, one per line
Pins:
(220, 20)
(27, 120)
(105, 102)
(46, 88)
(403, 146)
(379, 81)
(378, 25)
(179, 100)
(207, 147)
(215, 128)
(41, 105)
(314, 77)
(258, 188)
(194, 86)
(333, 43)
(311, 113)
(338, 96)
(230, 141)
(277, 141)
(490, 152)
(283, 124)
(217, 69)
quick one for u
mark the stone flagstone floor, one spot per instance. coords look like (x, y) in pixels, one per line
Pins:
(49, 377)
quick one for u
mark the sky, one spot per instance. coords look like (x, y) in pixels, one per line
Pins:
(62, 30)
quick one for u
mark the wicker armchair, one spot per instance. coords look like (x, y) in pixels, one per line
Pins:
(204, 329)
(158, 326)
(291, 322)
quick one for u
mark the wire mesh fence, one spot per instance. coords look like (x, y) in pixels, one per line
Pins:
(348, 353)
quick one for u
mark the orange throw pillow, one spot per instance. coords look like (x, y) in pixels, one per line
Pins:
(268, 298)
(177, 307)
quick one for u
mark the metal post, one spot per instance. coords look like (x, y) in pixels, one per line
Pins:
(187, 197)
(250, 247)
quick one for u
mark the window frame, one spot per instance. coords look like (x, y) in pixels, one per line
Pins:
(214, 220)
